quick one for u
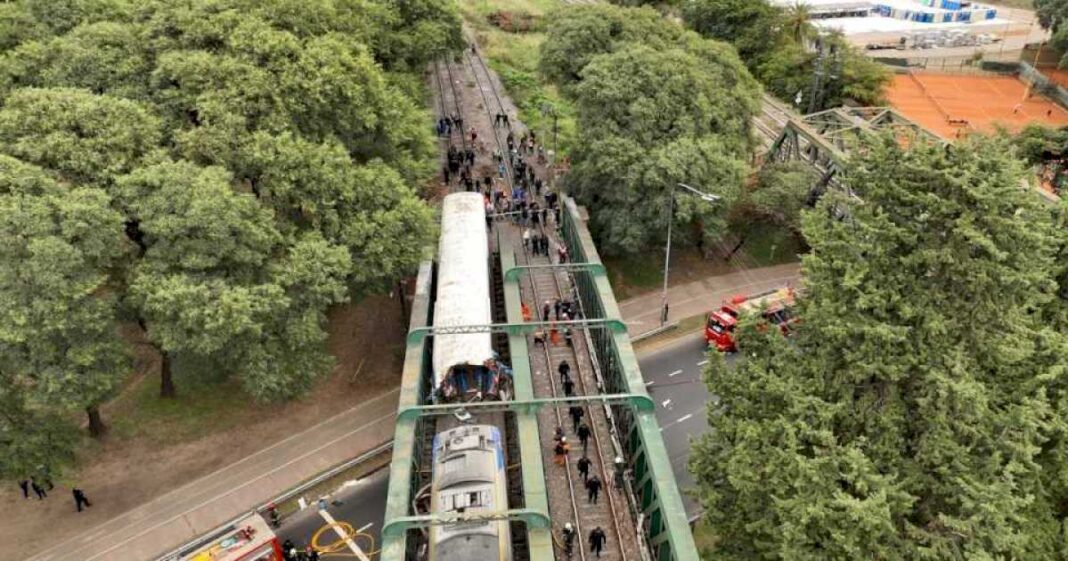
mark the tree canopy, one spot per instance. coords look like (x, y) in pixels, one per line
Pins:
(657, 105)
(778, 46)
(919, 411)
(219, 172)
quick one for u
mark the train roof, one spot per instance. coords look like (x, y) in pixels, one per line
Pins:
(463, 291)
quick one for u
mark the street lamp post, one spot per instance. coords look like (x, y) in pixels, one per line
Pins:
(708, 198)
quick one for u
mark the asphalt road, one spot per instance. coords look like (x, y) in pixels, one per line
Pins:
(361, 503)
(673, 379)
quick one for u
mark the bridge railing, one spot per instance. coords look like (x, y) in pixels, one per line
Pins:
(658, 503)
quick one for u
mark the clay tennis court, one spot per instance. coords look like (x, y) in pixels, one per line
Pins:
(953, 105)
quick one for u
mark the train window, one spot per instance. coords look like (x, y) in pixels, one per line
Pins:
(467, 499)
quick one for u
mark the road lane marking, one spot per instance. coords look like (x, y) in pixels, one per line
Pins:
(702, 363)
(675, 373)
(366, 526)
(649, 383)
(348, 540)
(684, 417)
(665, 403)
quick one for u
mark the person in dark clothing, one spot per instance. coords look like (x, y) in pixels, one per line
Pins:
(287, 547)
(576, 413)
(80, 499)
(593, 488)
(37, 489)
(569, 538)
(584, 468)
(564, 369)
(545, 311)
(556, 308)
(597, 539)
(25, 486)
(569, 389)
(583, 433)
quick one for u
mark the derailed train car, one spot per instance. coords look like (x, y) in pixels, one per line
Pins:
(465, 366)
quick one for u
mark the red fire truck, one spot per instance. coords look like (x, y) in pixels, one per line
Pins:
(248, 540)
(776, 307)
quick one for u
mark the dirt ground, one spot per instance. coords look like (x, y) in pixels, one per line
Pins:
(119, 474)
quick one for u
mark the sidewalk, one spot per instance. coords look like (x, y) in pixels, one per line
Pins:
(170, 520)
(642, 313)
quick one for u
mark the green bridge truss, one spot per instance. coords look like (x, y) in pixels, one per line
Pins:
(655, 500)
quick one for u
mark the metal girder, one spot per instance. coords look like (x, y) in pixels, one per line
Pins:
(594, 268)
(418, 334)
(398, 526)
(639, 401)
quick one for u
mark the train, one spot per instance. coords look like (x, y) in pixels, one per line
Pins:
(469, 477)
(468, 459)
(465, 366)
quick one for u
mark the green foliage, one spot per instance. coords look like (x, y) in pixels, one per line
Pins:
(782, 191)
(1036, 141)
(774, 43)
(223, 170)
(83, 137)
(578, 34)
(753, 26)
(918, 412)
(656, 106)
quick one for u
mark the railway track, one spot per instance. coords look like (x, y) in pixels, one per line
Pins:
(566, 489)
(443, 74)
(772, 119)
(611, 512)
(493, 99)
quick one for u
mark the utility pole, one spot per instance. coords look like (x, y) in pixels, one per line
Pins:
(706, 197)
(825, 73)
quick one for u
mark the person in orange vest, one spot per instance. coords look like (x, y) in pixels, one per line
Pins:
(526, 312)
(560, 451)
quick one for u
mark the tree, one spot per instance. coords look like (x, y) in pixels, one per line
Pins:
(578, 34)
(203, 249)
(59, 338)
(651, 119)
(753, 26)
(911, 417)
(782, 192)
(236, 157)
(83, 137)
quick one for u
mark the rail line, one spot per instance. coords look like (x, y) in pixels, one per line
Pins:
(565, 501)
(506, 157)
(546, 286)
(455, 100)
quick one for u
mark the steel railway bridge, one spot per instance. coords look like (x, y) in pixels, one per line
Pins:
(654, 504)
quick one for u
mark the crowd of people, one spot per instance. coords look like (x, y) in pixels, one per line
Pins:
(523, 199)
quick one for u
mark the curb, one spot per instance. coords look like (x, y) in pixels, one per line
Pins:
(654, 332)
(215, 533)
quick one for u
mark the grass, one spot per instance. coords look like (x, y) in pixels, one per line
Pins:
(635, 273)
(200, 409)
(515, 57)
(769, 244)
(703, 537)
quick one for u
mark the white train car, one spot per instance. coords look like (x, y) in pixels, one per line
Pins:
(469, 477)
(463, 298)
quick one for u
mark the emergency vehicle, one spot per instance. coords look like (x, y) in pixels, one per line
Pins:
(248, 540)
(776, 307)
